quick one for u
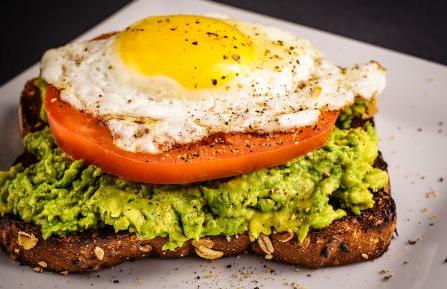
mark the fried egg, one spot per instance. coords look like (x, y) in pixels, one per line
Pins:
(170, 80)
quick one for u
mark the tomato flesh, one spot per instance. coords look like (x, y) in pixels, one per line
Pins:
(83, 137)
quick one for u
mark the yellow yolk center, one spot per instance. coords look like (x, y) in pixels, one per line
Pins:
(198, 52)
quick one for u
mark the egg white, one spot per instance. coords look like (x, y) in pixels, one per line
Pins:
(281, 91)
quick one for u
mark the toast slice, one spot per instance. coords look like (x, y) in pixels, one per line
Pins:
(348, 240)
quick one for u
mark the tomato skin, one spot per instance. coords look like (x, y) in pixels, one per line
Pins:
(83, 137)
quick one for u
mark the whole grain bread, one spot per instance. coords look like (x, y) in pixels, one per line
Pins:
(348, 240)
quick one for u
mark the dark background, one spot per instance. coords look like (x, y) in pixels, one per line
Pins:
(419, 28)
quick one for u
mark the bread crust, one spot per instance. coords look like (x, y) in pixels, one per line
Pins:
(348, 240)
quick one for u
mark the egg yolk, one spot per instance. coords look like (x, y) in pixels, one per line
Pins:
(197, 51)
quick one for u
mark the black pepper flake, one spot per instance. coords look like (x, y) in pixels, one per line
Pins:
(412, 242)
(445, 260)
(172, 29)
(116, 281)
(198, 277)
(212, 34)
(214, 81)
(194, 43)
(419, 129)
(441, 179)
(344, 247)
(228, 266)
(236, 57)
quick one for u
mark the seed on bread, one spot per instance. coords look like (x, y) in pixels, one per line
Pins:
(208, 253)
(202, 243)
(99, 253)
(203, 248)
(27, 241)
(265, 244)
(284, 237)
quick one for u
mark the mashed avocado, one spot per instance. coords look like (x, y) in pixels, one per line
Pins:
(64, 196)
(362, 108)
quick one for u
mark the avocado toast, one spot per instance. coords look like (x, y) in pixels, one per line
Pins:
(47, 234)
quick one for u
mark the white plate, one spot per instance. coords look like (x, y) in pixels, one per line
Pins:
(413, 142)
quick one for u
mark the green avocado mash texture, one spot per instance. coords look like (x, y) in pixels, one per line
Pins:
(64, 196)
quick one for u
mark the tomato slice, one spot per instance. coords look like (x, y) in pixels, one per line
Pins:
(83, 137)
